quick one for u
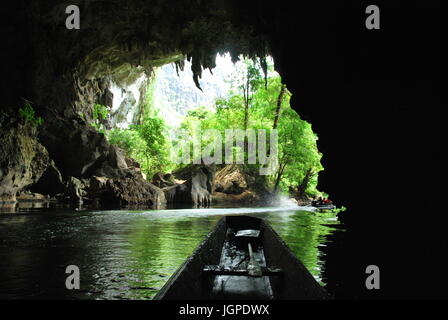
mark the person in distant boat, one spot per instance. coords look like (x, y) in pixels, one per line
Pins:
(317, 201)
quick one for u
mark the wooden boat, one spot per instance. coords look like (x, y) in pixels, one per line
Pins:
(242, 258)
(323, 206)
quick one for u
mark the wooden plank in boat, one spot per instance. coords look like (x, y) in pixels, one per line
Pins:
(220, 270)
(241, 286)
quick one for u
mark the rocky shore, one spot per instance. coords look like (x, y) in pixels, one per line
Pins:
(77, 165)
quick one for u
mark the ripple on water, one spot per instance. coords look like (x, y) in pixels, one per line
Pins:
(130, 254)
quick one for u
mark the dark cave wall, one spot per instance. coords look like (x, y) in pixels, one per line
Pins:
(373, 98)
(45, 59)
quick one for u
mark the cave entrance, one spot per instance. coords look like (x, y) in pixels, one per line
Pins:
(166, 122)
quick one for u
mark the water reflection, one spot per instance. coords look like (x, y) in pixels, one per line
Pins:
(128, 254)
(23, 206)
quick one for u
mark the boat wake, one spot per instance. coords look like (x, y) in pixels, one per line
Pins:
(201, 212)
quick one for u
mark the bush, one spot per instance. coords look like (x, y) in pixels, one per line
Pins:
(100, 113)
(29, 115)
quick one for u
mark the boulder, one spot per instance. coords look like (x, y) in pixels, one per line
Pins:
(231, 180)
(75, 189)
(163, 180)
(117, 158)
(196, 190)
(132, 163)
(177, 193)
(128, 189)
(23, 159)
(77, 149)
(234, 183)
(201, 187)
(171, 178)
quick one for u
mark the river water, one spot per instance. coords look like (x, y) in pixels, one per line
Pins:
(126, 254)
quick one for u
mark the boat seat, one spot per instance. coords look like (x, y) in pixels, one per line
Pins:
(225, 271)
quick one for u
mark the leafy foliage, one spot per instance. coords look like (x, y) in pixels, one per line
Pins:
(28, 113)
(155, 147)
(252, 104)
(100, 113)
(146, 143)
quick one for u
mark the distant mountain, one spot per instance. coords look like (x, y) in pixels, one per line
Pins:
(174, 95)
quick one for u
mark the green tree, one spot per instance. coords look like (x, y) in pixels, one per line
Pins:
(100, 114)
(155, 148)
(28, 113)
(269, 105)
(245, 81)
(146, 143)
(298, 153)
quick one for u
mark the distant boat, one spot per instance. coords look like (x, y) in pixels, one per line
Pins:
(323, 206)
(242, 258)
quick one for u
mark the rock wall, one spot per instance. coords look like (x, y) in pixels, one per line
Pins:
(234, 184)
(196, 189)
(23, 159)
